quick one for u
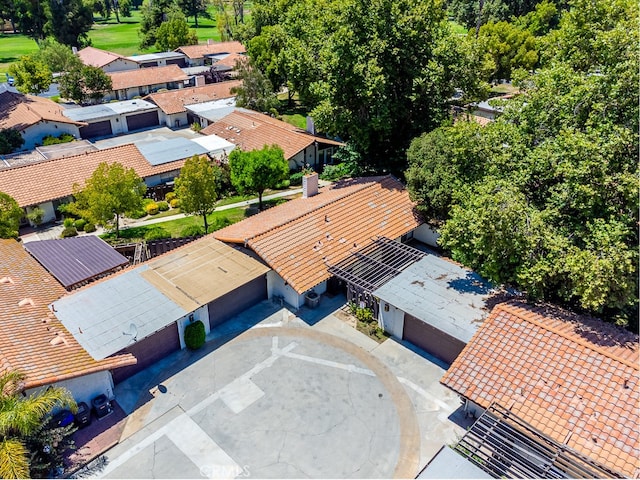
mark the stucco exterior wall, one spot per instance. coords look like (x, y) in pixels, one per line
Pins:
(391, 319)
(154, 180)
(49, 212)
(201, 314)
(277, 287)
(170, 120)
(426, 234)
(85, 388)
(34, 134)
(120, 65)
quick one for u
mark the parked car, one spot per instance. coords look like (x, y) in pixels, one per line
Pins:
(10, 80)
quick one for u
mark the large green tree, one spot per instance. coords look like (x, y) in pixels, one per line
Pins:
(111, 191)
(57, 56)
(10, 139)
(175, 32)
(546, 197)
(10, 215)
(196, 187)
(194, 8)
(255, 92)
(85, 82)
(31, 74)
(69, 21)
(152, 14)
(257, 170)
(21, 416)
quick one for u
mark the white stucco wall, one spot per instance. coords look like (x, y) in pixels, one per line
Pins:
(49, 212)
(297, 161)
(120, 65)
(426, 234)
(170, 120)
(154, 180)
(201, 314)
(34, 134)
(85, 388)
(391, 321)
(276, 286)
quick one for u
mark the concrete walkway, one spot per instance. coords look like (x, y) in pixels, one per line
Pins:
(51, 232)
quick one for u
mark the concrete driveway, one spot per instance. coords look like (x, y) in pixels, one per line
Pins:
(291, 395)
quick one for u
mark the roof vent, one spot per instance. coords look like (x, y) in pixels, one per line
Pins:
(26, 301)
(58, 340)
(5, 280)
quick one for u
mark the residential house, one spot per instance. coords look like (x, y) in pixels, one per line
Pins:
(32, 339)
(34, 117)
(134, 83)
(50, 183)
(115, 118)
(76, 261)
(544, 380)
(144, 310)
(173, 104)
(210, 52)
(302, 238)
(107, 61)
(250, 130)
(161, 59)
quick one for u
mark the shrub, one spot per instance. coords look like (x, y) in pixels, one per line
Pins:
(194, 335)
(163, 206)
(156, 233)
(64, 138)
(55, 98)
(282, 185)
(170, 196)
(69, 232)
(36, 215)
(89, 228)
(195, 126)
(296, 178)
(364, 315)
(219, 223)
(137, 214)
(192, 231)
(68, 222)
(152, 208)
(80, 223)
(332, 173)
(147, 201)
(175, 203)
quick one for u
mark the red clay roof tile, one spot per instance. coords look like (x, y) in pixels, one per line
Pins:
(174, 101)
(96, 57)
(146, 76)
(19, 111)
(584, 363)
(199, 51)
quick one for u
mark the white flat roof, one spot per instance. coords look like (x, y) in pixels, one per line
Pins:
(106, 110)
(213, 110)
(215, 144)
(149, 57)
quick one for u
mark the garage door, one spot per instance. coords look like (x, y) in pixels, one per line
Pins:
(430, 339)
(234, 302)
(142, 120)
(98, 129)
(177, 61)
(149, 351)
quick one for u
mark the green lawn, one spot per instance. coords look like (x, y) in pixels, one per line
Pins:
(12, 47)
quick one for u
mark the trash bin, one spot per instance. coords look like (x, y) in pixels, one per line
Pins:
(62, 419)
(101, 405)
(83, 415)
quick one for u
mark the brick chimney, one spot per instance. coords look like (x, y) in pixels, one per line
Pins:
(310, 185)
(200, 81)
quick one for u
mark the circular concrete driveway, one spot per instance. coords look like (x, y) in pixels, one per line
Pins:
(275, 403)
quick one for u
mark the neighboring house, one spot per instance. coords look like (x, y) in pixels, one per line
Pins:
(50, 183)
(484, 112)
(250, 130)
(130, 84)
(34, 117)
(543, 376)
(115, 118)
(107, 61)
(301, 238)
(173, 104)
(32, 339)
(161, 59)
(76, 261)
(144, 310)
(210, 52)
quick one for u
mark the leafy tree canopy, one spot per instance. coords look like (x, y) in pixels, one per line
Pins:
(256, 91)
(85, 82)
(175, 32)
(546, 197)
(152, 14)
(10, 140)
(111, 191)
(57, 56)
(196, 187)
(31, 74)
(10, 215)
(195, 9)
(257, 170)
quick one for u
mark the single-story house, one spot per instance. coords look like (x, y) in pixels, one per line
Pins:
(210, 52)
(250, 130)
(161, 59)
(107, 61)
(32, 339)
(301, 238)
(568, 381)
(50, 183)
(134, 83)
(210, 112)
(34, 117)
(144, 310)
(115, 118)
(173, 111)
(76, 261)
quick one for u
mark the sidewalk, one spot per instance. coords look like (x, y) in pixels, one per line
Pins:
(53, 231)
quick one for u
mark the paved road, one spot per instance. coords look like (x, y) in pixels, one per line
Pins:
(291, 395)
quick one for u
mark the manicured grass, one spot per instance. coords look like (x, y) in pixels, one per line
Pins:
(296, 119)
(12, 47)
(504, 88)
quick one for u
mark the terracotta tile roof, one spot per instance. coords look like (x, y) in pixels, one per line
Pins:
(21, 111)
(199, 51)
(231, 60)
(252, 130)
(174, 101)
(96, 57)
(40, 182)
(32, 340)
(300, 238)
(575, 379)
(146, 76)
